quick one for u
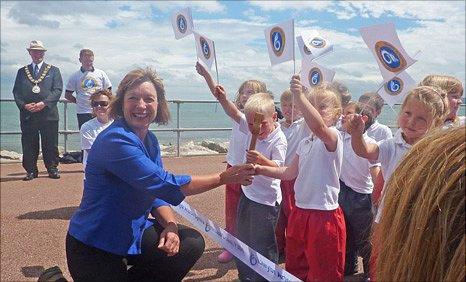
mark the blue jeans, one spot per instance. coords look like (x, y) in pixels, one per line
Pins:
(256, 228)
(357, 208)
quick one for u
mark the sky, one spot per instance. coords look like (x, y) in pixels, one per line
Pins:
(128, 35)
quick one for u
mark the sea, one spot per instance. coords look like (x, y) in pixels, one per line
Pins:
(192, 115)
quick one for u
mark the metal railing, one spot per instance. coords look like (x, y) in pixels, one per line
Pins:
(178, 130)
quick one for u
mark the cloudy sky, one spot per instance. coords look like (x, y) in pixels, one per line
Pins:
(126, 35)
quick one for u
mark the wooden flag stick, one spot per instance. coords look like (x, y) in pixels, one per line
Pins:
(256, 126)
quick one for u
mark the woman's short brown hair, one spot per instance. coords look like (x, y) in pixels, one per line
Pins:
(133, 79)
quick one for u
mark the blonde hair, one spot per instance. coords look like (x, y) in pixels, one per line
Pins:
(433, 98)
(447, 83)
(256, 85)
(286, 97)
(327, 95)
(422, 231)
(260, 103)
(135, 78)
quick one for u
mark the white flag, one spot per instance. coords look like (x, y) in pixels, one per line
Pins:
(385, 45)
(280, 42)
(205, 49)
(312, 45)
(395, 90)
(182, 22)
(313, 74)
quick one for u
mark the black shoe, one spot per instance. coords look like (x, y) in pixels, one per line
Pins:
(30, 176)
(54, 174)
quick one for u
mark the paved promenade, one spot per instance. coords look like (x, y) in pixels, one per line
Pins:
(35, 216)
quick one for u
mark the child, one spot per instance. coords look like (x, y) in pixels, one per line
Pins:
(315, 239)
(374, 102)
(424, 108)
(259, 203)
(295, 129)
(345, 97)
(90, 129)
(236, 151)
(454, 89)
(356, 184)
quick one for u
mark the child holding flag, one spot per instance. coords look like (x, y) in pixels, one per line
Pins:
(236, 151)
(316, 235)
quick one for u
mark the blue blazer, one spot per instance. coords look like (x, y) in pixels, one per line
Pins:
(124, 180)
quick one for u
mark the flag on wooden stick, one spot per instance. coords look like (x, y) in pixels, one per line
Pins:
(311, 45)
(280, 42)
(313, 74)
(182, 23)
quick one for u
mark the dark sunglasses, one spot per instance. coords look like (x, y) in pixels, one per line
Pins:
(99, 103)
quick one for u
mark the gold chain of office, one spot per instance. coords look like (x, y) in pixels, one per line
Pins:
(36, 88)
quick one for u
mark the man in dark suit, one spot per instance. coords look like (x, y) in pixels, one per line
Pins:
(38, 87)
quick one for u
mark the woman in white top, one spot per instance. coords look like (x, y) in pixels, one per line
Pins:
(90, 129)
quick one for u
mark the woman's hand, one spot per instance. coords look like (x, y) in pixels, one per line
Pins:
(242, 174)
(169, 240)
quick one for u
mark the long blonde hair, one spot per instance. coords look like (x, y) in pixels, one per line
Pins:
(448, 83)
(422, 231)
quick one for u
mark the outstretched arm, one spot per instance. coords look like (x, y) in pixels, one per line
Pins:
(365, 150)
(230, 109)
(312, 117)
(284, 172)
(242, 174)
(208, 78)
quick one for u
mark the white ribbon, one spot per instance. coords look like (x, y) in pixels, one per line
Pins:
(256, 261)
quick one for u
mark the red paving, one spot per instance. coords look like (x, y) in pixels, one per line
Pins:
(35, 215)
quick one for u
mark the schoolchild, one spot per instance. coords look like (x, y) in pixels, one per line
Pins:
(356, 185)
(345, 97)
(236, 151)
(423, 109)
(374, 102)
(454, 89)
(316, 236)
(295, 129)
(259, 203)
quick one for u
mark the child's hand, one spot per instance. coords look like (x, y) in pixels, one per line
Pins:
(201, 69)
(257, 169)
(220, 92)
(355, 123)
(254, 157)
(295, 85)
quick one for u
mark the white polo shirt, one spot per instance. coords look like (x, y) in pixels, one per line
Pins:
(266, 190)
(89, 131)
(379, 132)
(85, 84)
(296, 132)
(237, 146)
(317, 185)
(355, 171)
(391, 152)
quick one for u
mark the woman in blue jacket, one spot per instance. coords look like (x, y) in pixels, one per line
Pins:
(125, 181)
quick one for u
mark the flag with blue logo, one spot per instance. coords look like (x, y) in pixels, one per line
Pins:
(205, 49)
(311, 45)
(182, 22)
(313, 74)
(280, 42)
(396, 89)
(386, 47)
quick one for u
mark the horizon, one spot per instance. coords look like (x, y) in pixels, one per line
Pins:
(139, 34)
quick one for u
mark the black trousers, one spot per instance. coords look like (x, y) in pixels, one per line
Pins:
(87, 263)
(83, 118)
(48, 131)
(357, 208)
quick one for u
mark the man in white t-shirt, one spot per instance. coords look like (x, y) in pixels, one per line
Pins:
(86, 81)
